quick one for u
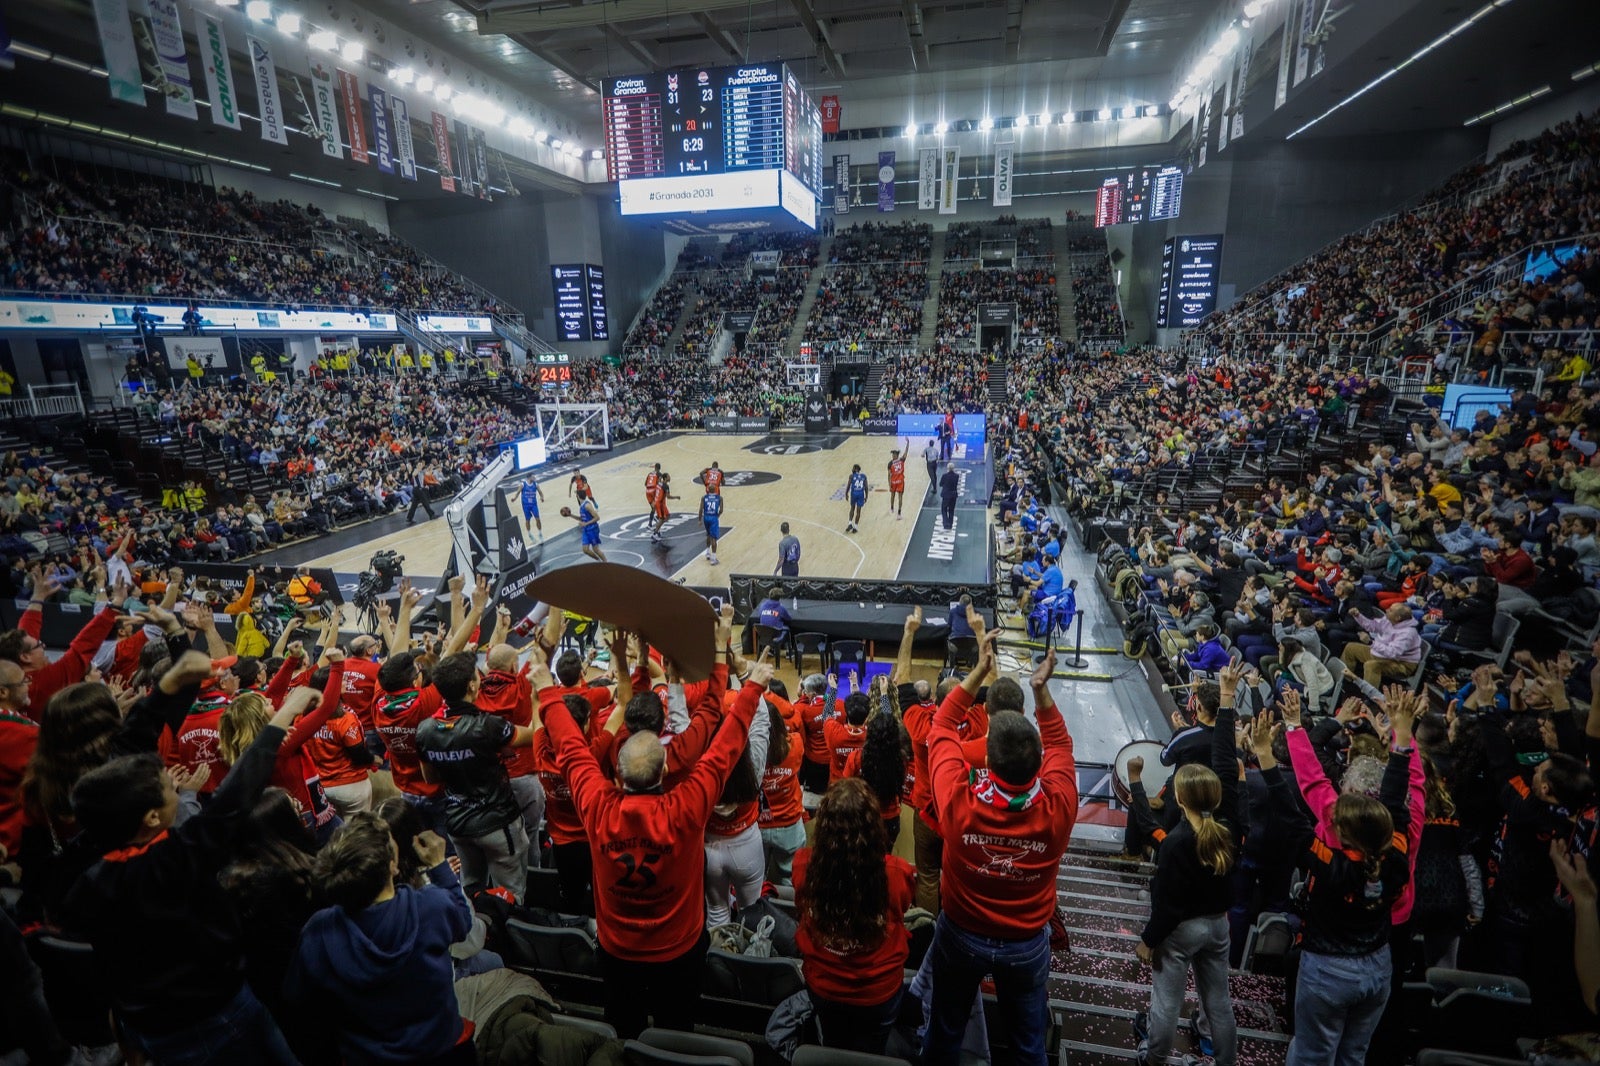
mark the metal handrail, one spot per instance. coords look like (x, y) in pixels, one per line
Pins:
(206, 301)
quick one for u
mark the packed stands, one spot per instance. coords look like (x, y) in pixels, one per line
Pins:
(1031, 287)
(1096, 307)
(946, 380)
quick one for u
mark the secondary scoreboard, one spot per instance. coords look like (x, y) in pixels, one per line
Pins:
(712, 138)
(1149, 194)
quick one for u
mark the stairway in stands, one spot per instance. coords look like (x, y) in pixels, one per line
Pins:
(791, 347)
(1099, 985)
(874, 383)
(997, 385)
(930, 306)
(1069, 305)
(691, 294)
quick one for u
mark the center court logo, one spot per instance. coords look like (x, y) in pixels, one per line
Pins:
(737, 479)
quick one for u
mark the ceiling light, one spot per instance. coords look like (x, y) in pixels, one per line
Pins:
(596, 154)
(910, 130)
(443, 92)
(541, 137)
(324, 40)
(1068, 118)
(1176, 102)
(403, 75)
(227, 3)
(1577, 75)
(289, 22)
(1525, 98)
(425, 84)
(519, 127)
(574, 151)
(353, 51)
(1254, 8)
(1104, 114)
(556, 143)
(259, 10)
(941, 127)
(986, 123)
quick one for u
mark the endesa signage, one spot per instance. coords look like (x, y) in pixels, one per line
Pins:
(881, 425)
(699, 192)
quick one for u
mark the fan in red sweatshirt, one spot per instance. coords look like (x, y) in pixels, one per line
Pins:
(649, 863)
(196, 742)
(46, 678)
(19, 735)
(401, 705)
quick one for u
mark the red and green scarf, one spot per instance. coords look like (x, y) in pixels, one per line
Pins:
(991, 791)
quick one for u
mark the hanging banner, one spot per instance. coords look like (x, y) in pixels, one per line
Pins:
(1285, 55)
(841, 184)
(219, 73)
(885, 181)
(120, 53)
(441, 146)
(350, 89)
(1203, 126)
(382, 142)
(480, 161)
(172, 55)
(1238, 93)
(1003, 172)
(928, 179)
(325, 111)
(405, 150)
(831, 111)
(267, 101)
(1302, 52)
(949, 175)
(466, 160)
(1225, 127)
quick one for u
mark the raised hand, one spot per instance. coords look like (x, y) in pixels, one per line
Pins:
(190, 780)
(191, 668)
(429, 847)
(1289, 704)
(914, 620)
(761, 674)
(480, 593)
(1040, 679)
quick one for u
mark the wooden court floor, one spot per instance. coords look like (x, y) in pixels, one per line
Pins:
(767, 480)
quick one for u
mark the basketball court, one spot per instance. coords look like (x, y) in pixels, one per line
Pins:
(768, 479)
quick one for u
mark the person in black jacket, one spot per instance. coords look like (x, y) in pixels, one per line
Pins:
(1190, 896)
(165, 936)
(1469, 614)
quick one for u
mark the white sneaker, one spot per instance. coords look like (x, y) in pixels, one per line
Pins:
(713, 560)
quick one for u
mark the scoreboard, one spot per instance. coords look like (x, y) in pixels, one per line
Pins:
(1149, 194)
(712, 138)
(580, 301)
(554, 370)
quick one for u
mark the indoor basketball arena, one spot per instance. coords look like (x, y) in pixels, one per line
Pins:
(799, 532)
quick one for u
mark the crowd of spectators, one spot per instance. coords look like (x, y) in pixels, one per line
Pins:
(963, 240)
(906, 243)
(797, 249)
(655, 325)
(99, 232)
(1544, 189)
(1032, 289)
(868, 307)
(945, 380)
(1096, 308)
(775, 298)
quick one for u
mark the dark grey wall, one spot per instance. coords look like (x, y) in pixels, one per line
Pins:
(508, 246)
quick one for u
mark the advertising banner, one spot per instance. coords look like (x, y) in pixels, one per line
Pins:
(350, 89)
(1003, 175)
(949, 175)
(327, 110)
(881, 425)
(928, 179)
(816, 412)
(885, 181)
(1285, 55)
(480, 161)
(1238, 94)
(121, 54)
(219, 74)
(267, 101)
(405, 150)
(441, 145)
(166, 27)
(382, 141)
(841, 184)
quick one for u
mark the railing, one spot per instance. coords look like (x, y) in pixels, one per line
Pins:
(43, 401)
(205, 302)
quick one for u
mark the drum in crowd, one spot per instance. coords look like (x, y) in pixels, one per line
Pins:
(1154, 776)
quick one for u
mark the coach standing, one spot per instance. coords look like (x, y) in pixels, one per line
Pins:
(949, 486)
(788, 554)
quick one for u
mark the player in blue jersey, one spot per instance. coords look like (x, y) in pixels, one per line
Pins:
(711, 518)
(588, 519)
(531, 495)
(855, 491)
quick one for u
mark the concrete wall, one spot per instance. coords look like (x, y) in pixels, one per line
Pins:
(334, 202)
(1549, 111)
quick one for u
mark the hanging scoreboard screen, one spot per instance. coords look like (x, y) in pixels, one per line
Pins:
(712, 139)
(1149, 194)
(554, 370)
(1191, 269)
(580, 298)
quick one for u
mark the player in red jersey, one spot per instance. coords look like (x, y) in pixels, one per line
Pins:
(897, 481)
(659, 513)
(711, 479)
(580, 483)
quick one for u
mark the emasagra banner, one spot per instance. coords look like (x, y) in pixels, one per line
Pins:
(268, 101)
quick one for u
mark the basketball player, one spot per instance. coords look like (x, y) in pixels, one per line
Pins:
(580, 483)
(663, 493)
(711, 518)
(588, 519)
(531, 495)
(855, 491)
(897, 481)
(711, 478)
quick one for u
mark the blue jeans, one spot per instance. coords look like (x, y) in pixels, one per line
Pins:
(1021, 971)
(241, 1033)
(1338, 1001)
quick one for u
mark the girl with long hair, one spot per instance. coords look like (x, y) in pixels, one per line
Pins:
(851, 898)
(1190, 896)
(782, 818)
(881, 763)
(1358, 867)
(1449, 886)
(736, 862)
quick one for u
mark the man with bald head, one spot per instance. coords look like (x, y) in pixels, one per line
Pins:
(505, 693)
(648, 849)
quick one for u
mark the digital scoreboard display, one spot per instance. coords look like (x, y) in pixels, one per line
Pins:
(1149, 194)
(554, 370)
(580, 299)
(1191, 268)
(712, 139)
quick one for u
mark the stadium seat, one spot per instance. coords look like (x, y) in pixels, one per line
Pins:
(809, 644)
(739, 991)
(780, 641)
(686, 1043)
(1477, 1012)
(78, 998)
(845, 656)
(565, 960)
(811, 1055)
(961, 653)
(637, 1053)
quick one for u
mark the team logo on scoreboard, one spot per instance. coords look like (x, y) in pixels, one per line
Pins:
(704, 78)
(672, 82)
